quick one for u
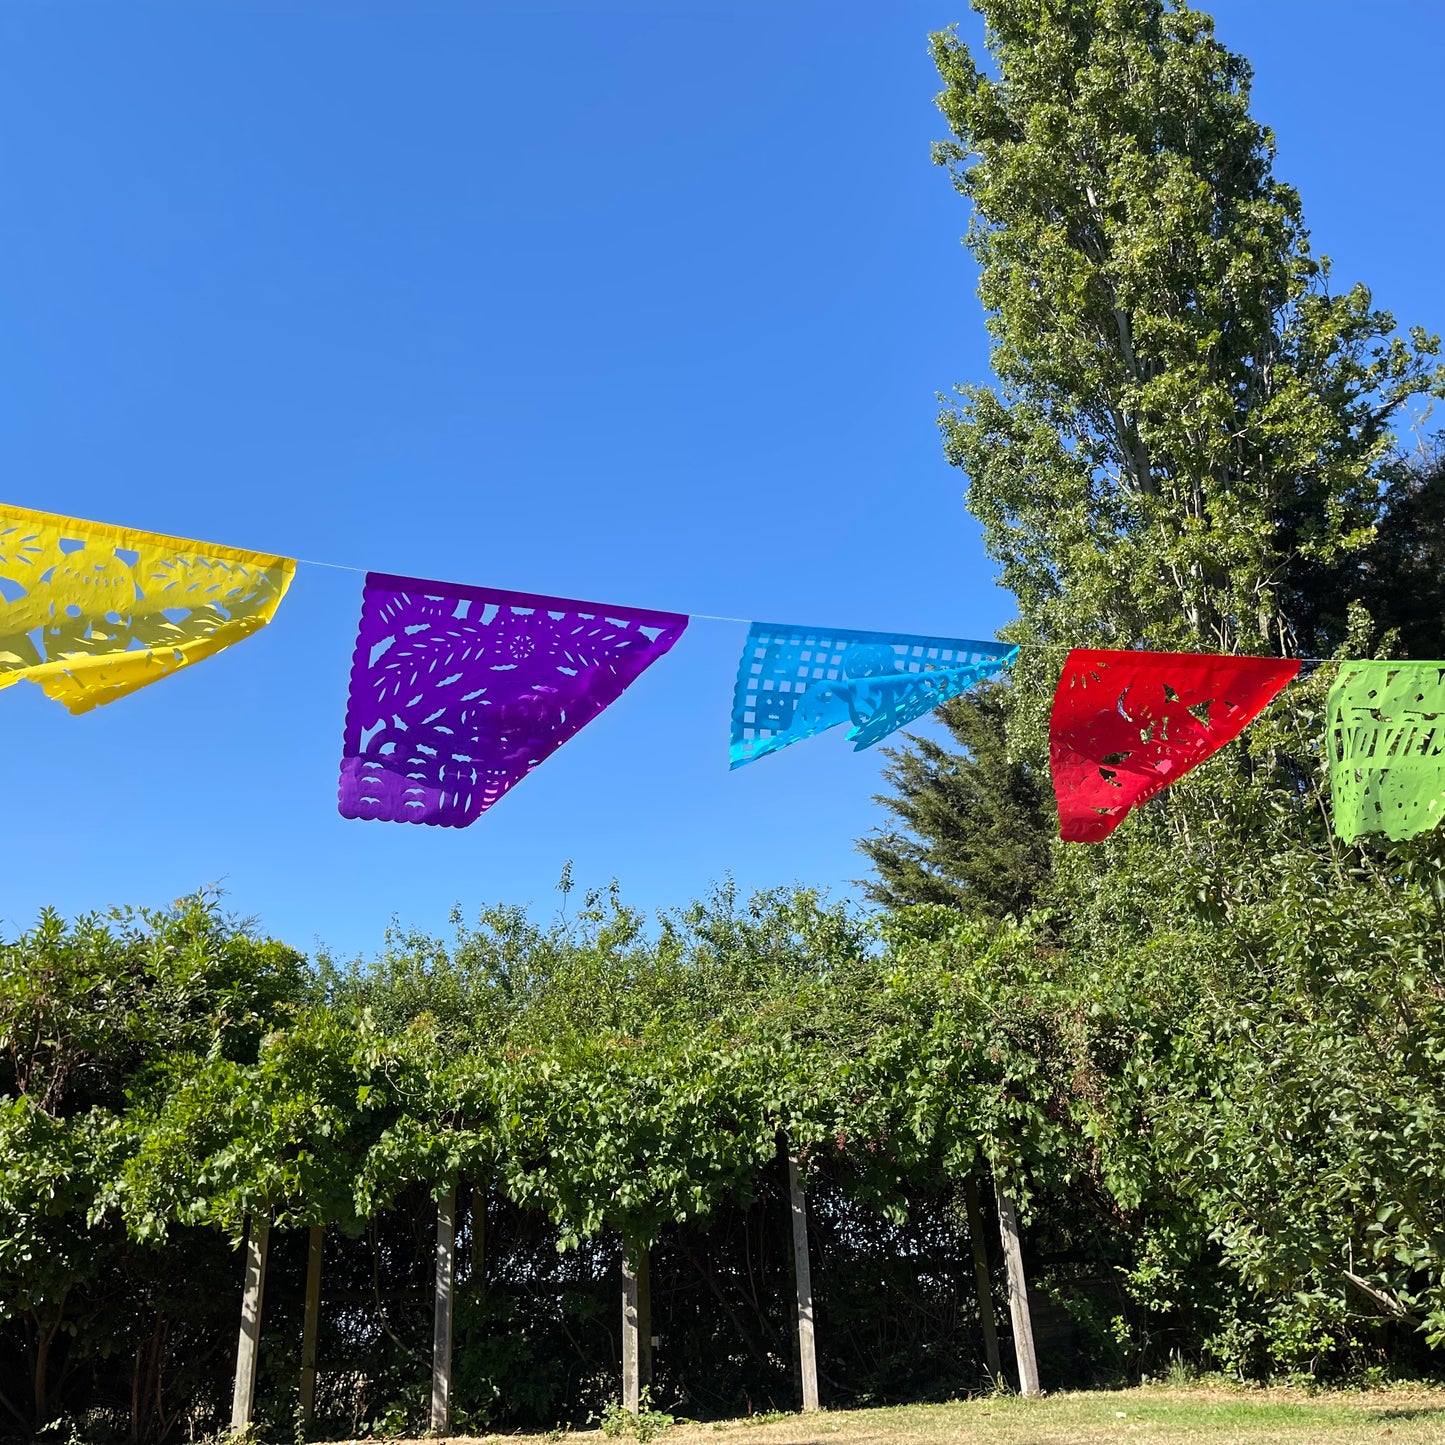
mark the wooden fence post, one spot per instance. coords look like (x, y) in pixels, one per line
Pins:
(1018, 1292)
(636, 1324)
(803, 1275)
(311, 1321)
(243, 1400)
(441, 1357)
(981, 1279)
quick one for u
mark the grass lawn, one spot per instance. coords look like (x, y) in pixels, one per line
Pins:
(1214, 1414)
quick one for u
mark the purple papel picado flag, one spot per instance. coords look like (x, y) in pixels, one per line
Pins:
(458, 692)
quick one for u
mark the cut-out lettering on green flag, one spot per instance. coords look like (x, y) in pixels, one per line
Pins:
(1387, 748)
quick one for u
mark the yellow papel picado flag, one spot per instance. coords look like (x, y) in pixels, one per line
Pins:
(91, 612)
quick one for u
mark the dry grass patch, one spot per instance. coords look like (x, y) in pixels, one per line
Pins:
(1213, 1415)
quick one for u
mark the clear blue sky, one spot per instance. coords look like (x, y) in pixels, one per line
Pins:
(641, 302)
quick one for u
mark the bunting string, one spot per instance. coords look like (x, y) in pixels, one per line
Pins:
(457, 691)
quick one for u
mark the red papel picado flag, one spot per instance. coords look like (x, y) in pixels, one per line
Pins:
(1127, 724)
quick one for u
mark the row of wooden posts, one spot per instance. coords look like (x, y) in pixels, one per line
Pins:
(637, 1340)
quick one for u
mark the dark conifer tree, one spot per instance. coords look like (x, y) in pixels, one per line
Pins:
(972, 828)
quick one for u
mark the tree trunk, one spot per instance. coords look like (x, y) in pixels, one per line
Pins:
(311, 1322)
(42, 1375)
(1018, 1293)
(982, 1279)
(441, 1359)
(248, 1345)
(803, 1276)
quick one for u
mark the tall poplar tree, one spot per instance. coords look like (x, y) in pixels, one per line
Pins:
(1184, 438)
